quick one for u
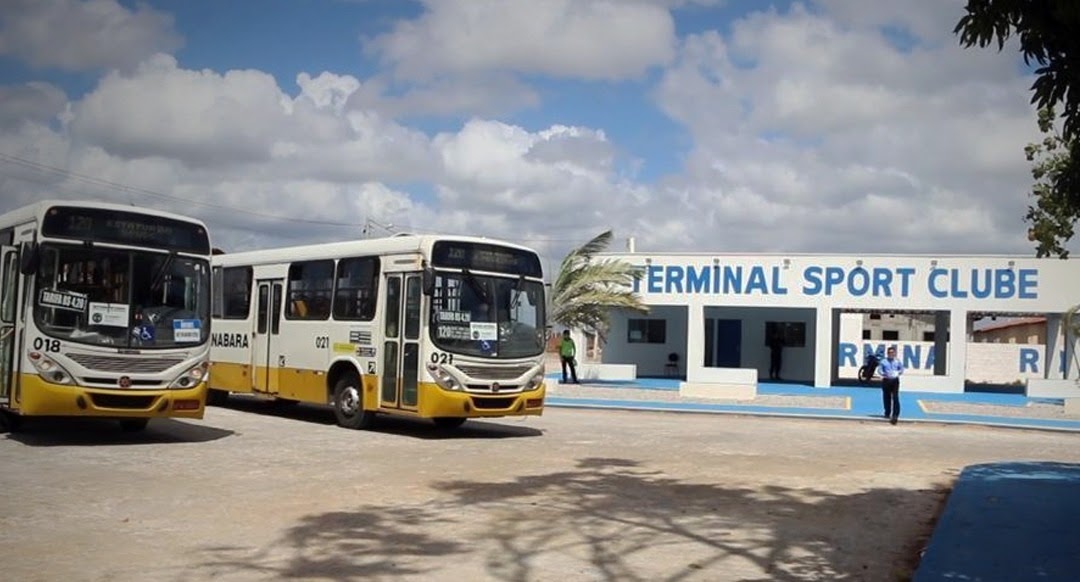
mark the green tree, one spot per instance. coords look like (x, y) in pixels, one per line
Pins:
(588, 288)
(1056, 209)
(1048, 32)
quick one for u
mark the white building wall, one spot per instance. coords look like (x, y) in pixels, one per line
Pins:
(950, 286)
(650, 358)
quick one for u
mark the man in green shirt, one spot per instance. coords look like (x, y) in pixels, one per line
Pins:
(567, 351)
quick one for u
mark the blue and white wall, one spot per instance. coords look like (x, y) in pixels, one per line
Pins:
(686, 289)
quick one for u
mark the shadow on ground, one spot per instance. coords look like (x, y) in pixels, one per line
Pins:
(56, 432)
(605, 519)
(496, 428)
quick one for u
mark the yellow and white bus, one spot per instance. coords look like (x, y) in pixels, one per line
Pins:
(105, 312)
(447, 328)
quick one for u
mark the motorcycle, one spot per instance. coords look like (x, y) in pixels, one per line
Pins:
(870, 366)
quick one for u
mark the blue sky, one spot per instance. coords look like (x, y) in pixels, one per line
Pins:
(697, 125)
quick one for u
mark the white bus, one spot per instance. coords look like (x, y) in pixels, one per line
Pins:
(105, 312)
(447, 328)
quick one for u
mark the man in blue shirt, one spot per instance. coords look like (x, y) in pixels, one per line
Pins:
(891, 369)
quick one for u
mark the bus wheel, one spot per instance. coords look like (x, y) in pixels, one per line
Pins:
(216, 397)
(349, 403)
(10, 422)
(133, 424)
(448, 422)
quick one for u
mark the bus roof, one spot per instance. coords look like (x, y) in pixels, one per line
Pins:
(397, 244)
(34, 211)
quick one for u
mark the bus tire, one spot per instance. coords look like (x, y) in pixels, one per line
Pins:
(134, 424)
(216, 397)
(10, 422)
(349, 403)
(448, 422)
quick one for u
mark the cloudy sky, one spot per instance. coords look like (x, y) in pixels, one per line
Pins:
(848, 126)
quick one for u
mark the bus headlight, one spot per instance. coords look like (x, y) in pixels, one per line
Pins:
(534, 382)
(49, 370)
(444, 379)
(192, 377)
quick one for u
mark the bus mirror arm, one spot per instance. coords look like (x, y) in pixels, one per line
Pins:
(29, 258)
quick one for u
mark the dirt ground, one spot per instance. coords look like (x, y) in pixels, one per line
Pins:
(260, 492)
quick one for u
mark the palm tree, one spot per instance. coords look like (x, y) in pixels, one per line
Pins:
(587, 288)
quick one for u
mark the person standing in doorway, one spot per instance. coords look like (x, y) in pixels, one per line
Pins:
(776, 354)
(567, 354)
(891, 369)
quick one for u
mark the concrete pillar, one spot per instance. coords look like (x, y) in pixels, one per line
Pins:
(957, 350)
(942, 333)
(824, 347)
(695, 341)
(1054, 346)
(1072, 366)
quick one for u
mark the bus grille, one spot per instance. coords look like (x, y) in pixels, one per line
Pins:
(123, 401)
(121, 364)
(492, 403)
(494, 372)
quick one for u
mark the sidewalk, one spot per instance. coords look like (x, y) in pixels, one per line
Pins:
(797, 400)
(1008, 521)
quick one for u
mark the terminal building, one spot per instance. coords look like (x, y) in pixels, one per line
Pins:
(711, 316)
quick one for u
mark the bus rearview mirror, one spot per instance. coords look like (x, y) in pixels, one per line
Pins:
(427, 281)
(29, 258)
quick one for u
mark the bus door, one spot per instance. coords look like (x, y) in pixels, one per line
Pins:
(9, 291)
(401, 348)
(266, 357)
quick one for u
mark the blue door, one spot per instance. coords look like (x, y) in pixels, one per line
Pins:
(728, 343)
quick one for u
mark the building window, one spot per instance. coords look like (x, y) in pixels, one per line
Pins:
(927, 336)
(310, 286)
(355, 293)
(647, 331)
(890, 334)
(875, 316)
(866, 334)
(793, 333)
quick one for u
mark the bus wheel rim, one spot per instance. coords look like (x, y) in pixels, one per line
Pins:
(350, 400)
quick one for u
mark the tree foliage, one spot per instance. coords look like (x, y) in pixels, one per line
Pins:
(587, 287)
(1048, 32)
(1056, 209)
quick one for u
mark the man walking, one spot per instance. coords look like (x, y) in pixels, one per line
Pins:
(891, 370)
(567, 353)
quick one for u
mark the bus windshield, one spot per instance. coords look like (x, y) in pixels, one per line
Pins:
(487, 316)
(122, 298)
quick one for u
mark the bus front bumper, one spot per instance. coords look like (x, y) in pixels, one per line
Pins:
(436, 402)
(41, 398)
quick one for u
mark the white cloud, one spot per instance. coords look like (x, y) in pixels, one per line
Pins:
(809, 131)
(817, 133)
(588, 39)
(30, 103)
(79, 35)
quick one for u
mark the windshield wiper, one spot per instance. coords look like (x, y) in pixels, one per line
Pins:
(159, 276)
(475, 285)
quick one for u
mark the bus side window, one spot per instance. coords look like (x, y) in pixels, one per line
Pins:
(355, 287)
(236, 282)
(310, 286)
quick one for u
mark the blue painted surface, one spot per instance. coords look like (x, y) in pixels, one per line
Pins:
(1008, 521)
(865, 403)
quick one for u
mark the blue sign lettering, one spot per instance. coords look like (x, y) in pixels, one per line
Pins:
(1029, 360)
(941, 283)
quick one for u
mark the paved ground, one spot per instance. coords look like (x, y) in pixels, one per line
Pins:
(255, 492)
